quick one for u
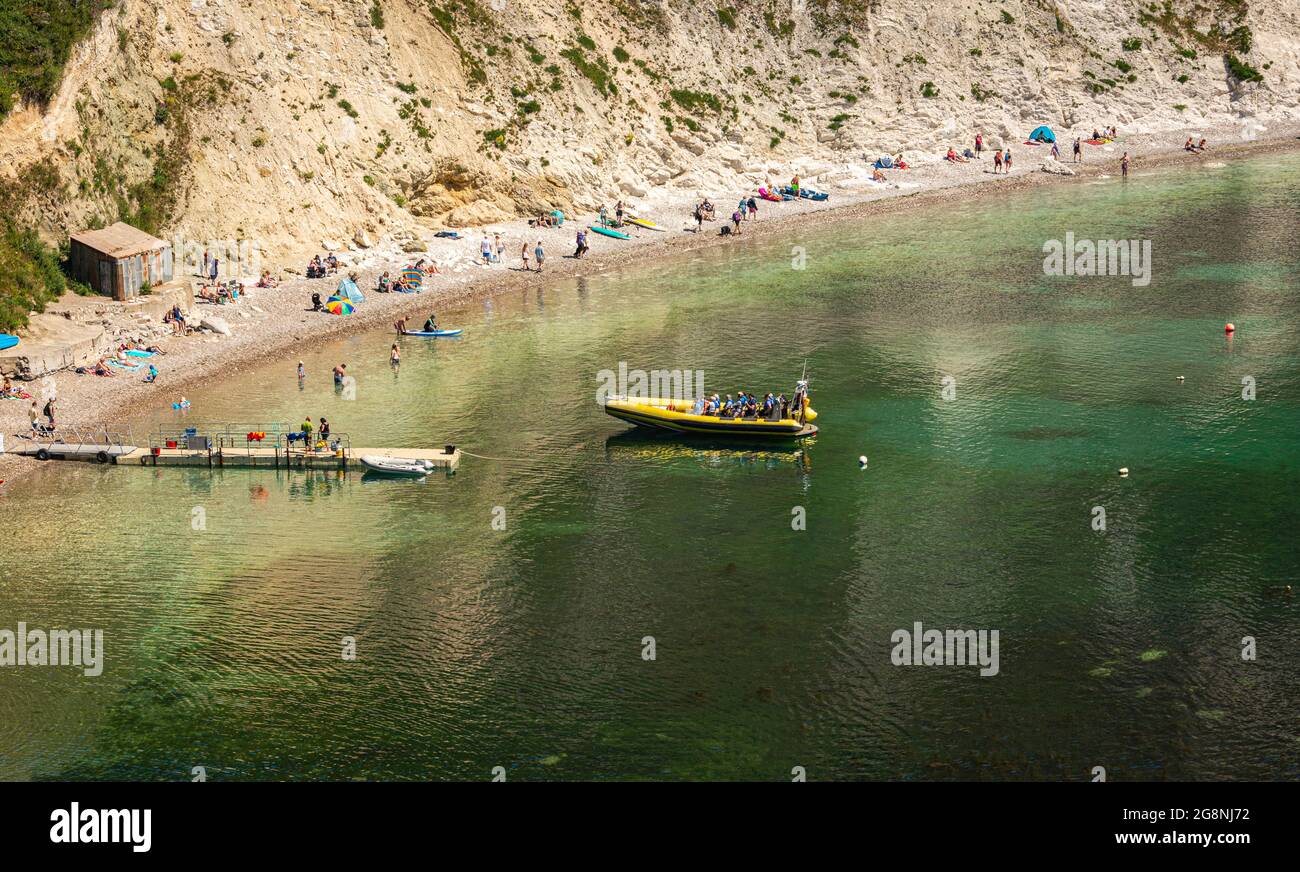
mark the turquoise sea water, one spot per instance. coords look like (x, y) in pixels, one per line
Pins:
(522, 648)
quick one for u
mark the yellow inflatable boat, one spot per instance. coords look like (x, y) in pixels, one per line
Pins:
(676, 416)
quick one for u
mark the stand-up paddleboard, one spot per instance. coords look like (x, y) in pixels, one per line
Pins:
(646, 223)
(605, 231)
(432, 333)
(7, 340)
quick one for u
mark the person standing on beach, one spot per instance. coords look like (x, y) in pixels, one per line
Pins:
(485, 248)
(207, 262)
(34, 416)
(1123, 165)
(618, 214)
(524, 254)
(539, 254)
(582, 244)
(979, 145)
(699, 218)
(500, 248)
(735, 219)
(1078, 151)
(997, 161)
(1056, 152)
(1006, 162)
(49, 412)
(306, 431)
(212, 270)
(753, 208)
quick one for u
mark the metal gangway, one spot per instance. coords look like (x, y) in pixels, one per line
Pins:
(99, 442)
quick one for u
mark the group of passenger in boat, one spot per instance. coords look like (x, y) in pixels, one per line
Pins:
(744, 405)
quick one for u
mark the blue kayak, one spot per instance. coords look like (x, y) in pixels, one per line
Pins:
(432, 333)
(605, 231)
(7, 340)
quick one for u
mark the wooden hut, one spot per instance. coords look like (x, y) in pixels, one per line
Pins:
(119, 260)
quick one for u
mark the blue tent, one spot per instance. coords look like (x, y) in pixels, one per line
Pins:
(1042, 134)
(349, 290)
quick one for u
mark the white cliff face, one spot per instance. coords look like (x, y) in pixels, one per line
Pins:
(291, 120)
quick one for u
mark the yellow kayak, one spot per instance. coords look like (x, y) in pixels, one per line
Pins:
(644, 222)
(675, 416)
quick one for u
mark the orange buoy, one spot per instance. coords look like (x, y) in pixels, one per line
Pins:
(1228, 328)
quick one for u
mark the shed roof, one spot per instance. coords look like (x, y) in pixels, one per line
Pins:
(119, 240)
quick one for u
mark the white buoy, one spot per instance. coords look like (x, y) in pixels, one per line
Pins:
(1182, 378)
(862, 461)
(1123, 472)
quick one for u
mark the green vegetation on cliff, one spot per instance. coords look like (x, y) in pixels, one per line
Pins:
(38, 40)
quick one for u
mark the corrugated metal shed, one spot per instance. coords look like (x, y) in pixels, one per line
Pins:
(118, 260)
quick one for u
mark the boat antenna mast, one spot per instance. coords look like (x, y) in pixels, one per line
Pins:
(801, 391)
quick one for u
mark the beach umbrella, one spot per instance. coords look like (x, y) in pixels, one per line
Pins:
(412, 278)
(339, 306)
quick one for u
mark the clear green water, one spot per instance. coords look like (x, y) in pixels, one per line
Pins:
(522, 648)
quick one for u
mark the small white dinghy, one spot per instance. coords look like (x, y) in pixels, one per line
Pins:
(396, 465)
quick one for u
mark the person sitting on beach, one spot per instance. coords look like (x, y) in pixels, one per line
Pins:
(176, 319)
(707, 208)
(953, 156)
(152, 376)
(1188, 146)
(1095, 134)
(315, 269)
(384, 284)
(315, 303)
(332, 262)
(1202, 146)
(267, 281)
(877, 176)
(899, 163)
